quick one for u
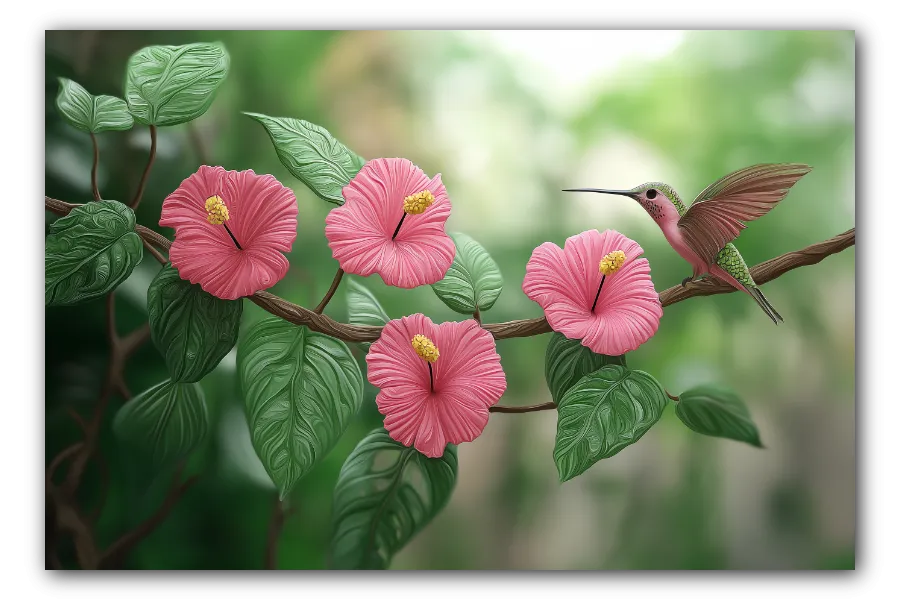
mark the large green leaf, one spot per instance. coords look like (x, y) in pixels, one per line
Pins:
(603, 413)
(192, 328)
(363, 307)
(89, 252)
(717, 411)
(567, 361)
(301, 389)
(169, 85)
(164, 423)
(91, 113)
(473, 282)
(385, 494)
(312, 155)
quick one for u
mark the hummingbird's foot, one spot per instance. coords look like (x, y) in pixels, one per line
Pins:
(685, 281)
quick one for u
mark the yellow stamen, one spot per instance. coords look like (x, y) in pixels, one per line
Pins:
(417, 203)
(612, 262)
(216, 211)
(425, 348)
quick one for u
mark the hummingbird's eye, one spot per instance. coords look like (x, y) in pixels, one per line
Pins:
(651, 193)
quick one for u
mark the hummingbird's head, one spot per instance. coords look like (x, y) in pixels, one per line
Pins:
(658, 199)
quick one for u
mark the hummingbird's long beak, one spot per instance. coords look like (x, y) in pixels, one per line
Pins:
(628, 193)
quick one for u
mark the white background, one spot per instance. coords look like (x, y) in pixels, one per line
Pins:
(20, 186)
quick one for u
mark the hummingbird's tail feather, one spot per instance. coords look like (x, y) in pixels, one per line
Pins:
(764, 304)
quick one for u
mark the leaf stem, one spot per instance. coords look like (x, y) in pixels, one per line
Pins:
(143, 183)
(94, 188)
(523, 409)
(330, 293)
(276, 524)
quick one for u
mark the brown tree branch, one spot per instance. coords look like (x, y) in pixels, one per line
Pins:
(118, 550)
(762, 273)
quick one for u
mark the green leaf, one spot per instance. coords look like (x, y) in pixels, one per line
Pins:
(567, 361)
(603, 413)
(717, 411)
(169, 85)
(193, 329)
(301, 389)
(385, 494)
(91, 113)
(89, 252)
(312, 155)
(164, 423)
(363, 307)
(473, 281)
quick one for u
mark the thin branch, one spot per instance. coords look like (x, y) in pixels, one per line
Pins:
(197, 143)
(276, 524)
(330, 293)
(94, 187)
(143, 184)
(118, 550)
(523, 409)
(154, 252)
(762, 273)
(671, 397)
(60, 458)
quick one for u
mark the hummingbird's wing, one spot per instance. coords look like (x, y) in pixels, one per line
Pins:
(718, 214)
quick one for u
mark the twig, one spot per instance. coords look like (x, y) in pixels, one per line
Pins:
(671, 397)
(143, 183)
(523, 409)
(118, 550)
(762, 273)
(60, 458)
(154, 252)
(328, 295)
(94, 187)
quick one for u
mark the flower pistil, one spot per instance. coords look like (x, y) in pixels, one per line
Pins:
(217, 214)
(428, 351)
(414, 204)
(609, 264)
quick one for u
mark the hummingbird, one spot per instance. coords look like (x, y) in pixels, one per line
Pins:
(702, 233)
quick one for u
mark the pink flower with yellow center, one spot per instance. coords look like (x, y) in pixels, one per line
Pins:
(392, 223)
(231, 228)
(436, 381)
(596, 290)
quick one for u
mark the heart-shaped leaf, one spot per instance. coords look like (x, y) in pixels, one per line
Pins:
(567, 361)
(385, 494)
(363, 307)
(312, 155)
(192, 328)
(91, 113)
(169, 85)
(717, 411)
(473, 282)
(603, 413)
(164, 423)
(89, 252)
(301, 389)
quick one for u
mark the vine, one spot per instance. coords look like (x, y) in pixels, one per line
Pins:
(232, 231)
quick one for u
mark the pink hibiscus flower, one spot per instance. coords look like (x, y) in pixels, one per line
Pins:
(436, 381)
(392, 223)
(596, 289)
(231, 228)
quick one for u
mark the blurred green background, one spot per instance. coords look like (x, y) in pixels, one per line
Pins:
(509, 118)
